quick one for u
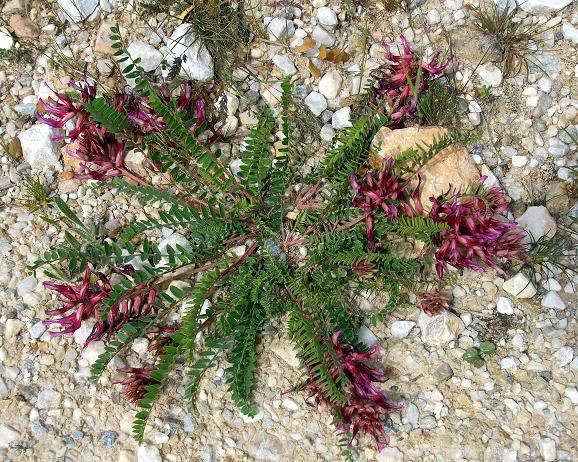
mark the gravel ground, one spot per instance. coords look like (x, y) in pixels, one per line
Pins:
(520, 406)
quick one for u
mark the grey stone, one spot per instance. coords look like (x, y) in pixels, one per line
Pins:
(78, 10)
(443, 373)
(150, 57)
(440, 329)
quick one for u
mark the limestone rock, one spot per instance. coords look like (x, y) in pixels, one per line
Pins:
(150, 57)
(280, 28)
(537, 222)
(520, 286)
(148, 453)
(316, 102)
(24, 27)
(401, 329)
(451, 167)
(38, 148)
(440, 329)
(7, 435)
(6, 40)
(78, 10)
(103, 43)
(543, 6)
(197, 63)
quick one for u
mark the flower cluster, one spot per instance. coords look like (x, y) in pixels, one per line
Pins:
(433, 302)
(102, 153)
(367, 407)
(478, 236)
(85, 301)
(59, 110)
(400, 77)
(134, 385)
(389, 192)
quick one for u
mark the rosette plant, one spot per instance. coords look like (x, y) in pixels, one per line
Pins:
(262, 245)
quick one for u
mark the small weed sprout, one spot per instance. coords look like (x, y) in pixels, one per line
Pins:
(34, 193)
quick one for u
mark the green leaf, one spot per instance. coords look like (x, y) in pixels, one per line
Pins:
(471, 355)
(487, 347)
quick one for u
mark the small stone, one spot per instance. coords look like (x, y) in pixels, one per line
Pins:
(543, 6)
(36, 330)
(401, 329)
(7, 435)
(316, 102)
(48, 399)
(557, 147)
(150, 57)
(440, 329)
(103, 42)
(518, 342)
(553, 300)
(505, 306)
(78, 10)
(6, 40)
(126, 456)
(520, 286)
(548, 449)
(570, 32)
(38, 148)
(389, 454)
(322, 37)
(189, 423)
(572, 393)
(108, 438)
(433, 16)
(327, 133)
(366, 336)
(519, 161)
(196, 61)
(148, 453)
(12, 328)
(341, 118)
(93, 351)
(509, 362)
(140, 345)
(330, 84)
(443, 373)
(280, 29)
(284, 63)
(290, 404)
(4, 392)
(26, 286)
(458, 292)
(410, 415)
(563, 356)
(551, 284)
(24, 27)
(490, 74)
(327, 17)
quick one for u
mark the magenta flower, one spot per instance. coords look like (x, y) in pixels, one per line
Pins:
(57, 112)
(85, 302)
(136, 382)
(389, 192)
(478, 236)
(367, 407)
(433, 303)
(398, 75)
(81, 304)
(102, 155)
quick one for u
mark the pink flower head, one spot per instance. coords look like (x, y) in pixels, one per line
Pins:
(85, 301)
(102, 153)
(367, 407)
(478, 236)
(389, 192)
(81, 304)
(433, 303)
(399, 74)
(136, 382)
(58, 111)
